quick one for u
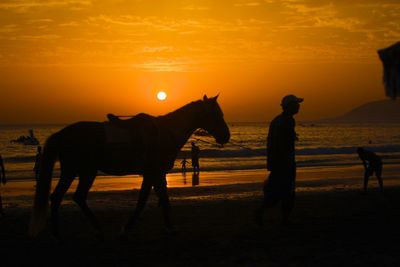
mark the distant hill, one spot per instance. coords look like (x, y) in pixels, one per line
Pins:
(384, 111)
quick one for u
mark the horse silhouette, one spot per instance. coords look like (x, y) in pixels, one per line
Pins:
(83, 149)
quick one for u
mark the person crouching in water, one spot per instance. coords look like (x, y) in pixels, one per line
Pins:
(372, 164)
(280, 186)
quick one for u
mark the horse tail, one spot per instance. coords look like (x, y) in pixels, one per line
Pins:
(43, 186)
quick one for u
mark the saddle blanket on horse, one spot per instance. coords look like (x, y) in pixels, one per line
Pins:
(139, 130)
(117, 135)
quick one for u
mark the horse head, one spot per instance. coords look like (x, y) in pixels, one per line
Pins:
(213, 121)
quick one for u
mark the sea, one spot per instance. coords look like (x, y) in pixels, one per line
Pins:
(319, 145)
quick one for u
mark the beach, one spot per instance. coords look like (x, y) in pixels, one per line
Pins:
(333, 223)
(206, 95)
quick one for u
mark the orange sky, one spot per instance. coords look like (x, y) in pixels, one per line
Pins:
(70, 60)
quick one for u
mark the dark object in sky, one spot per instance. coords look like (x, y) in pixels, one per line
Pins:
(83, 149)
(390, 57)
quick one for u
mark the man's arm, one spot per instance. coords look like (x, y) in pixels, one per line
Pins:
(286, 138)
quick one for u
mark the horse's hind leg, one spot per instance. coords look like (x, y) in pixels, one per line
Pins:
(161, 190)
(80, 197)
(56, 197)
(143, 196)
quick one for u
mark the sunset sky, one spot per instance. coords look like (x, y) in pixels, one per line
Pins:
(70, 60)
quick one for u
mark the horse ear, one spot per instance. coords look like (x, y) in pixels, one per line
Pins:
(216, 97)
(205, 98)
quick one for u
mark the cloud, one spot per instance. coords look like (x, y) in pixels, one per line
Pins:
(69, 24)
(33, 21)
(44, 37)
(195, 8)
(332, 22)
(157, 49)
(248, 4)
(184, 26)
(165, 65)
(240, 32)
(9, 28)
(25, 6)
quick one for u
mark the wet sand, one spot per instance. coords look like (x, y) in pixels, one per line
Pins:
(333, 224)
(308, 179)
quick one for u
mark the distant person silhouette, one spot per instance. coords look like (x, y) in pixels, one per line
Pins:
(183, 164)
(280, 186)
(3, 181)
(195, 157)
(38, 159)
(372, 164)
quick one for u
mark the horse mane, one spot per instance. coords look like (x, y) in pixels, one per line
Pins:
(182, 110)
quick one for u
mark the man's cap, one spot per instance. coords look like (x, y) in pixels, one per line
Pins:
(289, 99)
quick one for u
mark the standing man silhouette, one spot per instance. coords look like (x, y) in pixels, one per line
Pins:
(195, 157)
(3, 181)
(280, 186)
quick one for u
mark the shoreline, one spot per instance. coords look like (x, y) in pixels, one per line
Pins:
(308, 179)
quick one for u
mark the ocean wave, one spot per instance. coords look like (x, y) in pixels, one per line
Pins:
(347, 150)
(214, 153)
(19, 159)
(248, 153)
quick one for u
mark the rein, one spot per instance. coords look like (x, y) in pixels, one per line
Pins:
(234, 144)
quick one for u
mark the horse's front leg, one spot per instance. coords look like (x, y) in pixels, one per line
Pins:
(143, 196)
(160, 186)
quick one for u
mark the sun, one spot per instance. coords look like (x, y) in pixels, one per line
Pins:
(161, 95)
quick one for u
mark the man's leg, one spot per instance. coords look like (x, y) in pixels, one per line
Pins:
(270, 197)
(289, 195)
(161, 190)
(378, 172)
(287, 207)
(368, 172)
